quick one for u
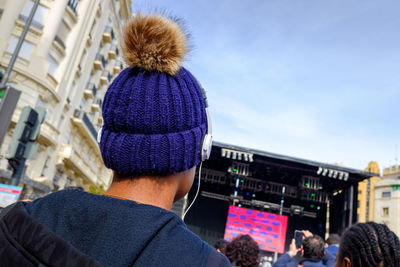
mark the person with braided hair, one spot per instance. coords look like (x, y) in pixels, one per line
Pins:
(368, 245)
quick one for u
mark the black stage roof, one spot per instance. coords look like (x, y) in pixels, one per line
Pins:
(266, 166)
(288, 160)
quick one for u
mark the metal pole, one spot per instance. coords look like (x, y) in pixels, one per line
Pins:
(280, 213)
(18, 172)
(351, 205)
(19, 44)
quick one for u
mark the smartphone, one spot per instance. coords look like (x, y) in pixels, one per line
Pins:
(298, 238)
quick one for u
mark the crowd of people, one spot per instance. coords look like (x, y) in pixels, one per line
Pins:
(362, 245)
(156, 132)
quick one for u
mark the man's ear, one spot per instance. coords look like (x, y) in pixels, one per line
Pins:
(347, 262)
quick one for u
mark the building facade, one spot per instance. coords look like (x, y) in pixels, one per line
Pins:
(366, 194)
(387, 199)
(70, 55)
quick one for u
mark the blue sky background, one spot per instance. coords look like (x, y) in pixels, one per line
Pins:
(307, 78)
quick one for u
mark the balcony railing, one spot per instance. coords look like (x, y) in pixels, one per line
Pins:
(101, 58)
(114, 47)
(99, 102)
(89, 125)
(80, 114)
(34, 23)
(73, 4)
(59, 41)
(109, 30)
(107, 74)
(91, 86)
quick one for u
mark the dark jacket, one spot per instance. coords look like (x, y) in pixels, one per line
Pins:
(75, 228)
(286, 261)
(333, 249)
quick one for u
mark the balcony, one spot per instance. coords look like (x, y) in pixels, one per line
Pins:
(48, 134)
(108, 35)
(105, 77)
(98, 62)
(73, 4)
(113, 52)
(99, 10)
(96, 105)
(112, 55)
(90, 91)
(60, 42)
(116, 70)
(86, 128)
(69, 157)
(34, 23)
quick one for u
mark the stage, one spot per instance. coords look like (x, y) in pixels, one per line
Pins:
(312, 195)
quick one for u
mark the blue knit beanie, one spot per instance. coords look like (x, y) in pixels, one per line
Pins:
(154, 111)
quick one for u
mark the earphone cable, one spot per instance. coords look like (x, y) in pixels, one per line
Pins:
(197, 193)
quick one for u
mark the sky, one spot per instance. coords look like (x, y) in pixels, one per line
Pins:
(312, 79)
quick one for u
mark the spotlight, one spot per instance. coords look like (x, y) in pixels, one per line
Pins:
(296, 210)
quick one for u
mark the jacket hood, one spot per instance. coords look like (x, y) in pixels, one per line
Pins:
(119, 232)
(311, 263)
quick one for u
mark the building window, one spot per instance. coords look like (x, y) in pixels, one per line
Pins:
(78, 148)
(45, 166)
(73, 4)
(57, 176)
(71, 89)
(39, 16)
(53, 65)
(69, 140)
(60, 122)
(385, 211)
(62, 34)
(68, 182)
(386, 194)
(26, 48)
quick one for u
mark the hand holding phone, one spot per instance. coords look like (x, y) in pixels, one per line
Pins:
(298, 237)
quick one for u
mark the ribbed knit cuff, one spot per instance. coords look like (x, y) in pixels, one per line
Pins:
(135, 154)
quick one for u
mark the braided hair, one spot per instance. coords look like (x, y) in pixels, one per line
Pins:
(369, 245)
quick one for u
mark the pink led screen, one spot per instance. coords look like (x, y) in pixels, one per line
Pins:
(267, 229)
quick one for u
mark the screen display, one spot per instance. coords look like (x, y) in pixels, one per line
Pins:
(267, 229)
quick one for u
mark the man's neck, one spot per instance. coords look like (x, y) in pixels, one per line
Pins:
(159, 192)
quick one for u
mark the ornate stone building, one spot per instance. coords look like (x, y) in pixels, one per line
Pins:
(70, 55)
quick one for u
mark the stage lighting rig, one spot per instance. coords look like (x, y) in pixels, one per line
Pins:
(235, 154)
(239, 168)
(331, 173)
(296, 210)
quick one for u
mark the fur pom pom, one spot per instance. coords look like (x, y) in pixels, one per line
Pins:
(154, 43)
